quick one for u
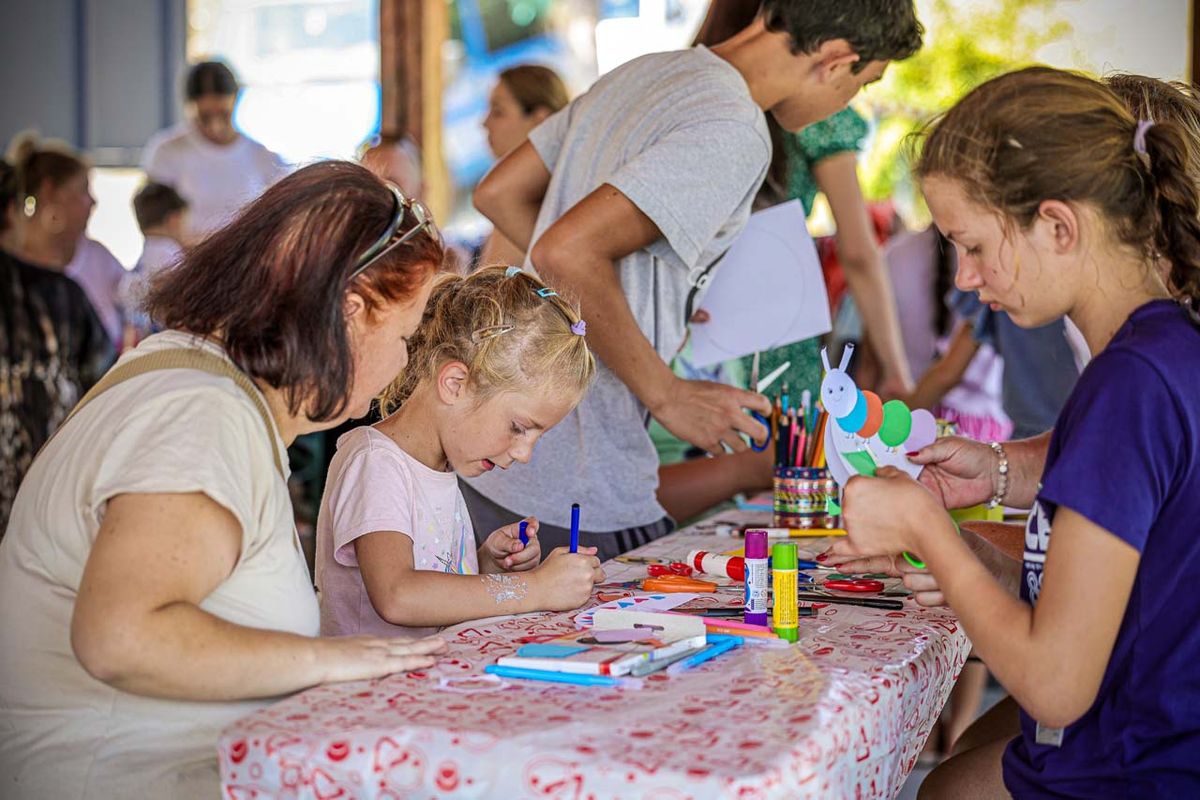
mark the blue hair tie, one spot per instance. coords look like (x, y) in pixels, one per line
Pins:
(508, 273)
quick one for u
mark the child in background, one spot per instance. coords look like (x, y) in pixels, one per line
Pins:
(1060, 201)
(960, 378)
(498, 360)
(162, 216)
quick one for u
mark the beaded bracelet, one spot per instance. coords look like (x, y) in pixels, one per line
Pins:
(1002, 484)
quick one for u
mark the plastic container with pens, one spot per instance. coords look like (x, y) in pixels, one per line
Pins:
(802, 496)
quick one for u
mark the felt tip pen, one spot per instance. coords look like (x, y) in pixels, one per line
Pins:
(521, 531)
(865, 602)
(718, 645)
(574, 527)
(560, 677)
(650, 666)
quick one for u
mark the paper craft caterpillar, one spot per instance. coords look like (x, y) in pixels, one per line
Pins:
(867, 433)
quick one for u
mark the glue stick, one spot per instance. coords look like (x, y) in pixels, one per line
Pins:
(717, 564)
(786, 614)
(756, 577)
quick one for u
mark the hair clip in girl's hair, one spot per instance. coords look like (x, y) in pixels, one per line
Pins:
(545, 292)
(490, 332)
(1139, 136)
(30, 205)
(579, 328)
(508, 273)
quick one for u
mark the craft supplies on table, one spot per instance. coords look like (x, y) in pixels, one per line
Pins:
(802, 496)
(863, 686)
(717, 564)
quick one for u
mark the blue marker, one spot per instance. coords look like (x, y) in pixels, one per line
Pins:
(718, 644)
(521, 532)
(574, 527)
(557, 677)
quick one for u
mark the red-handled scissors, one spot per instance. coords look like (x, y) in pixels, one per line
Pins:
(861, 585)
(674, 568)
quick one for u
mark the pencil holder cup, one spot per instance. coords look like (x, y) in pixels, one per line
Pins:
(802, 495)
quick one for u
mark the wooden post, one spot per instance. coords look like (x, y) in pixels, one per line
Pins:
(1193, 39)
(411, 33)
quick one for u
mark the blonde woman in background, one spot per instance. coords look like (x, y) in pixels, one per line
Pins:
(522, 99)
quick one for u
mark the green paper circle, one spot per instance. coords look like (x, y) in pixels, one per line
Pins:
(897, 423)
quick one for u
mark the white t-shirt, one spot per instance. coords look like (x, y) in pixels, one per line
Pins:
(373, 485)
(158, 253)
(681, 137)
(62, 732)
(216, 180)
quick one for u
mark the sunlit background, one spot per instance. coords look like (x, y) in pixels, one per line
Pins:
(311, 71)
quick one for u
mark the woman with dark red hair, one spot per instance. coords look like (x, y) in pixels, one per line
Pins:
(151, 583)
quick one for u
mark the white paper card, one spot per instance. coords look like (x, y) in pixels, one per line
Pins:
(768, 291)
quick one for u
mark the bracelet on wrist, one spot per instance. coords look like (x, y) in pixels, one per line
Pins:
(1002, 475)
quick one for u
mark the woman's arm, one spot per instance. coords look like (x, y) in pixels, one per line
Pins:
(1050, 657)
(499, 250)
(419, 598)
(691, 487)
(510, 195)
(866, 273)
(137, 624)
(947, 372)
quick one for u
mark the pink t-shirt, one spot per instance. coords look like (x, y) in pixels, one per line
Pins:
(373, 485)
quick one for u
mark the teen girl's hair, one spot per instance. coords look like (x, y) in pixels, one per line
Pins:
(1045, 134)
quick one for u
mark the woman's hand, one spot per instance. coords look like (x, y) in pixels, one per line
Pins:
(886, 514)
(960, 472)
(505, 550)
(564, 581)
(920, 582)
(358, 658)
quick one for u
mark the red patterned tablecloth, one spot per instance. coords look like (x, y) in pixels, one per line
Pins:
(841, 715)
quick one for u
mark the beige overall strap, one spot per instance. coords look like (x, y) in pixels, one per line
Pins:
(180, 358)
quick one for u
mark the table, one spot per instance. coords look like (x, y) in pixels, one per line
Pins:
(842, 714)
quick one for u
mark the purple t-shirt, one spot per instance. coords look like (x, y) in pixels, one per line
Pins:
(1126, 455)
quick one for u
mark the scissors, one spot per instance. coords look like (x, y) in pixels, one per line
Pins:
(859, 585)
(677, 583)
(674, 568)
(760, 387)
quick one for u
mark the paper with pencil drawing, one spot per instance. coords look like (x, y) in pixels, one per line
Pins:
(768, 291)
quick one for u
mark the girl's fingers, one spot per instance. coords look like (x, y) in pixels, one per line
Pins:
(410, 663)
(929, 599)
(921, 582)
(428, 645)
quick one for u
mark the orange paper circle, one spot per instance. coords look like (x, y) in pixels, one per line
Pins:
(874, 416)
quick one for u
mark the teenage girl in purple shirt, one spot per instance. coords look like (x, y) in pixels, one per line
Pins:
(1061, 202)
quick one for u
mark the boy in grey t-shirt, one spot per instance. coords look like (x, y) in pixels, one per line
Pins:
(626, 197)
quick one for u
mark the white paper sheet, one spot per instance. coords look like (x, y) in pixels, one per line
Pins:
(768, 291)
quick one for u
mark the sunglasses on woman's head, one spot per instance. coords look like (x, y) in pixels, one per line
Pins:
(393, 237)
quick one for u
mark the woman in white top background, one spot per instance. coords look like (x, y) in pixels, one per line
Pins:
(214, 167)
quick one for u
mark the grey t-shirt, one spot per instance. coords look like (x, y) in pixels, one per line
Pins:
(679, 135)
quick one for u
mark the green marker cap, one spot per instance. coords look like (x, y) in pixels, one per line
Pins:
(783, 556)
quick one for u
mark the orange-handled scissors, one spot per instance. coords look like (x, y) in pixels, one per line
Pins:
(677, 583)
